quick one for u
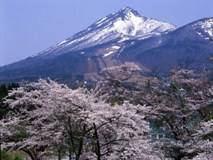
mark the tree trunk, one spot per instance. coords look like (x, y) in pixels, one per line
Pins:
(80, 148)
(33, 154)
(59, 153)
(37, 158)
(70, 153)
(0, 148)
(34, 157)
(98, 148)
(71, 140)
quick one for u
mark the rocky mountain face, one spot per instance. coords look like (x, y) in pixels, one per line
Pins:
(116, 38)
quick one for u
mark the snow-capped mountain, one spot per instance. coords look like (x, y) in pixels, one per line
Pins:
(206, 25)
(123, 25)
(117, 38)
(189, 46)
(201, 29)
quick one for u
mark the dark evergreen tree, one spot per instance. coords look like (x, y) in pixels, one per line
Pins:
(3, 110)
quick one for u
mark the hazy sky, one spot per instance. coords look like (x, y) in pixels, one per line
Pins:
(30, 26)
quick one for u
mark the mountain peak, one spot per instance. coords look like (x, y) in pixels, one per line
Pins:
(127, 9)
(124, 12)
(129, 22)
(122, 25)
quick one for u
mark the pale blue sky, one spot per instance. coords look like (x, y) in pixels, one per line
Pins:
(30, 26)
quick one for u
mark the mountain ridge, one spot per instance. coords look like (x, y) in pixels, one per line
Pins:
(122, 25)
(187, 46)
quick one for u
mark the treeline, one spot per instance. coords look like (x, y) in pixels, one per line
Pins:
(4, 89)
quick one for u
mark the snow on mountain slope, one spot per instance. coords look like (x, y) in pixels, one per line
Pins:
(206, 25)
(201, 30)
(189, 46)
(122, 25)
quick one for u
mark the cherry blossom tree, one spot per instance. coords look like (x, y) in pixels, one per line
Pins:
(179, 107)
(119, 82)
(179, 104)
(53, 116)
(202, 142)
